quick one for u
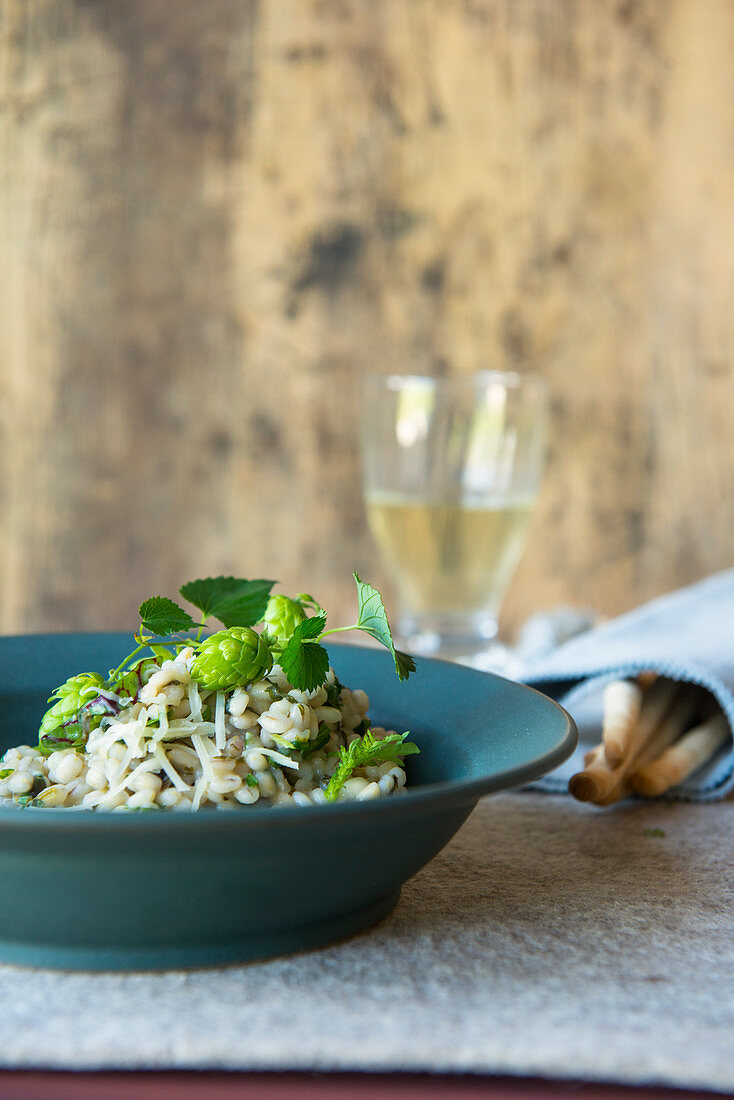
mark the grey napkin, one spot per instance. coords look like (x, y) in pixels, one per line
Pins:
(687, 635)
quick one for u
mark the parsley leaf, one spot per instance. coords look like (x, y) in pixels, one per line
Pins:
(373, 620)
(6, 772)
(303, 660)
(365, 752)
(232, 600)
(251, 780)
(160, 616)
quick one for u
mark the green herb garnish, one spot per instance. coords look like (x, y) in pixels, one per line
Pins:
(308, 747)
(306, 663)
(161, 616)
(291, 632)
(251, 780)
(6, 772)
(365, 752)
(235, 602)
(303, 660)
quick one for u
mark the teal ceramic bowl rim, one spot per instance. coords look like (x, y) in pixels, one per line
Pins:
(453, 792)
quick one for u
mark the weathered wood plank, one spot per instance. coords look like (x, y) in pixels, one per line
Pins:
(216, 216)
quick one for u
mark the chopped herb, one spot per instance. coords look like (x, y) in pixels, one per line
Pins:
(333, 694)
(308, 747)
(6, 772)
(251, 780)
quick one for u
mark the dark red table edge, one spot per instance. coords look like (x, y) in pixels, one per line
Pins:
(196, 1085)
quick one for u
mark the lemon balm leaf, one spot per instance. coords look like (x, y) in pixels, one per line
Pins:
(161, 616)
(365, 752)
(373, 620)
(303, 660)
(232, 600)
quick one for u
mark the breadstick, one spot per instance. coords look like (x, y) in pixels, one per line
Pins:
(677, 720)
(667, 709)
(686, 756)
(595, 779)
(684, 703)
(659, 700)
(622, 703)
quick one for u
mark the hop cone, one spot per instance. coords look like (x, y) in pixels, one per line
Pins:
(230, 658)
(281, 618)
(70, 697)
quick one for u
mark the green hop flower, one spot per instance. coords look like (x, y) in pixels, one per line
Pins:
(70, 697)
(230, 658)
(281, 618)
(60, 725)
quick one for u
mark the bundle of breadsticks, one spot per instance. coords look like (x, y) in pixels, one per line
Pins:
(655, 733)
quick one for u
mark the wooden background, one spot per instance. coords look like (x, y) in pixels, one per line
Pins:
(216, 215)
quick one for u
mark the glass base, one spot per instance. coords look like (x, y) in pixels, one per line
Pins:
(468, 640)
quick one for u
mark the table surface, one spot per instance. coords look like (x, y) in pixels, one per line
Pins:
(294, 1086)
(547, 941)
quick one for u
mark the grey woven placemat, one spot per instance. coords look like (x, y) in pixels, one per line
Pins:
(548, 939)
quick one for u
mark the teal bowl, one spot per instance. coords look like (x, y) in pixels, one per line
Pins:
(95, 891)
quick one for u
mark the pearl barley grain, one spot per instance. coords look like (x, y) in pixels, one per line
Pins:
(66, 769)
(169, 797)
(354, 787)
(372, 790)
(256, 761)
(20, 782)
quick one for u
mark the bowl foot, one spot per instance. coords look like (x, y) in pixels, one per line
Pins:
(266, 945)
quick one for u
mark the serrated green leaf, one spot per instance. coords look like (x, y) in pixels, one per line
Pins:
(303, 660)
(365, 752)
(232, 600)
(373, 620)
(312, 627)
(161, 616)
(404, 664)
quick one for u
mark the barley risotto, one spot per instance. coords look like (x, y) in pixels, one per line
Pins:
(250, 714)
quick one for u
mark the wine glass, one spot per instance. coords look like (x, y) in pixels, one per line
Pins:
(451, 472)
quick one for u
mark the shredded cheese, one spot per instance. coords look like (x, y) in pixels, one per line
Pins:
(220, 731)
(203, 751)
(199, 791)
(168, 767)
(194, 701)
(279, 758)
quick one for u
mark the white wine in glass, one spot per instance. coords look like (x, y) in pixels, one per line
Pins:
(451, 473)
